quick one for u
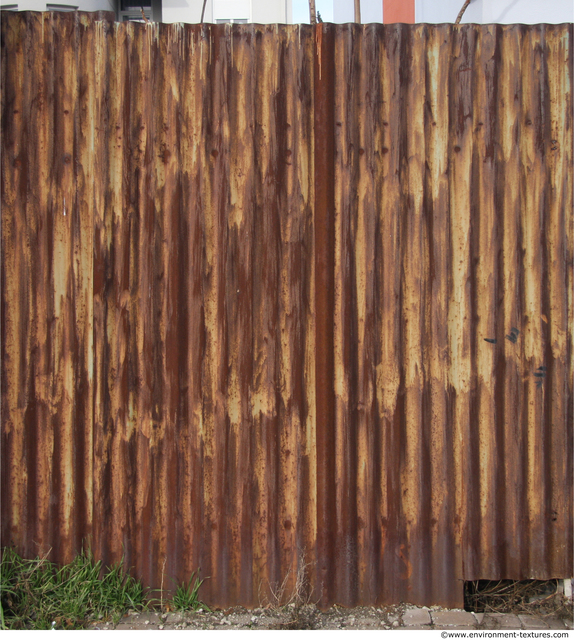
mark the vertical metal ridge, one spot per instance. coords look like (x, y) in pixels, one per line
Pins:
(240, 300)
(294, 227)
(194, 156)
(485, 451)
(138, 287)
(460, 280)
(324, 248)
(533, 192)
(62, 201)
(303, 156)
(559, 258)
(115, 330)
(510, 316)
(346, 95)
(85, 135)
(369, 143)
(214, 362)
(14, 480)
(389, 384)
(442, 569)
(499, 380)
(103, 40)
(413, 300)
(40, 148)
(172, 299)
(265, 276)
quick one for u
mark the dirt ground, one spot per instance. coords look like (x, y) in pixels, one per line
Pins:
(308, 617)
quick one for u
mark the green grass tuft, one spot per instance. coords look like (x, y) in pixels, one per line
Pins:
(35, 594)
(38, 594)
(186, 595)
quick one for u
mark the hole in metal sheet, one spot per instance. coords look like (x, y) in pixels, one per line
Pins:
(537, 597)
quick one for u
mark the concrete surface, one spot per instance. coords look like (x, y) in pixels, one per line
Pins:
(309, 617)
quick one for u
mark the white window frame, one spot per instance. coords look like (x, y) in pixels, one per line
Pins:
(61, 7)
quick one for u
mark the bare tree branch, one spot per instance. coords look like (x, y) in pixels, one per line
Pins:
(312, 12)
(461, 12)
(358, 11)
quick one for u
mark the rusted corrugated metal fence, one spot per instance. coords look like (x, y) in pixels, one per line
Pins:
(289, 300)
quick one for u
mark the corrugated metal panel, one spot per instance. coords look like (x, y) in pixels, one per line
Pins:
(284, 299)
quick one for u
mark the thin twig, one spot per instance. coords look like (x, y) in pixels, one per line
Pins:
(464, 6)
(203, 10)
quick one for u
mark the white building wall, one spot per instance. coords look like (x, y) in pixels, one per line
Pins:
(496, 11)
(270, 11)
(259, 11)
(371, 11)
(186, 11)
(528, 12)
(344, 11)
(42, 5)
(479, 11)
(280, 11)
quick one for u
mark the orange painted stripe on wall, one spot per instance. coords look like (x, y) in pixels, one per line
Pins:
(399, 11)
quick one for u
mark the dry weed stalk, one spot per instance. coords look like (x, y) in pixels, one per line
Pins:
(297, 603)
(300, 594)
(161, 587)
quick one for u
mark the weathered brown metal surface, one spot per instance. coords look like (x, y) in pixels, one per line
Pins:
(282, 300)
